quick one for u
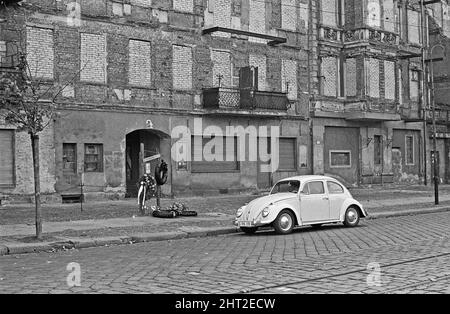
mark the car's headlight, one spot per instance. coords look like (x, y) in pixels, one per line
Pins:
(240, 211)
(265, 211)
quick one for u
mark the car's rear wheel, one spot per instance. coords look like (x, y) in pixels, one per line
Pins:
(352, 217)
(249, 230)
(284, 223)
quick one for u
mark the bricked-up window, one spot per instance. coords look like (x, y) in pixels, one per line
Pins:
(350, 77)
(142, 3)
(228, 151)
(221, 68)
(93, 158)
(373, 18)
(182, 67)
(377, 151)
(288, 15)
(389, 15)
(40, 54)
(140, 63)
(257, 22)
(6, 158)
(93, 58)
(183, 5)
(373, 73)
(413, 27)
(329, 76)
(414, 85)
(329, 12)
(389, 80)
(287, 155)
(289, 78)
(260, 62)
(409, 149)
(221, 10)
(69, 158)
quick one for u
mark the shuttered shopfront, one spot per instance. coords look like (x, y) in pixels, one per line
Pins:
(6, 157)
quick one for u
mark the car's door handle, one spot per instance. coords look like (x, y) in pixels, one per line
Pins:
(325, 198)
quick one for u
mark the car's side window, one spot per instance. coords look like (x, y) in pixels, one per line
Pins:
(316, 188)
(305, 190)
(334, 188)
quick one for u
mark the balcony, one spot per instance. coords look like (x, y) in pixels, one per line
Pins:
(357, 110)
(244, 99)
(361, 34)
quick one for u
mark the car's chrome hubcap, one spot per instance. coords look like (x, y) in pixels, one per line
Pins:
(285, 222)
(352, 216)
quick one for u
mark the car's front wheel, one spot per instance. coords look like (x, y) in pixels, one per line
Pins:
(249, 230)
(284, 222)
(352, 217)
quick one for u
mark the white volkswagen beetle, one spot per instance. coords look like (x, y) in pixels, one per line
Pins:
(299, 201)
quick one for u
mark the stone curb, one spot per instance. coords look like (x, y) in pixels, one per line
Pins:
(407, 212)
(79, 243)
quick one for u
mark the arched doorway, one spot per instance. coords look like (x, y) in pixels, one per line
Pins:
(143, 147)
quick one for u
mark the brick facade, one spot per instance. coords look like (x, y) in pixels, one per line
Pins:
(148, 66)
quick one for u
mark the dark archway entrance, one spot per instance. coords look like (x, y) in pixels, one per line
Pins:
(143, 145)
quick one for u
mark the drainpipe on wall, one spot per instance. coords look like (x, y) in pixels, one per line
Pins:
(309, 51)
(424, 94)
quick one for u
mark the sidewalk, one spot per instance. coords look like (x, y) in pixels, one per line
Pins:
(216, 216)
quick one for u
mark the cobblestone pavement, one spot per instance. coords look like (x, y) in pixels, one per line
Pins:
(412, 253)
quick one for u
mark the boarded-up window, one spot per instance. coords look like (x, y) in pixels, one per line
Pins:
(329, 12)
(6, 157)
(414, 85)
(329, 69)
(340, 159)
(201, 163)
(139, 72)
(373, 72)
(289, 78)
(389, 80)
(287, 157)
(409, 148)
(377, 149)
(413, 27)
(69, 158)
(93, 158)
(350, 78)
(221, 68)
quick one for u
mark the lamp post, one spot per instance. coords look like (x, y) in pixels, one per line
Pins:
(433, 108)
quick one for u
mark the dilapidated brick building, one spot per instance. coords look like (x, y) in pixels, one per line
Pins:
(143, 67)
(341, 79)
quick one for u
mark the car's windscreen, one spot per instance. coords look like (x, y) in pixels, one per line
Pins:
(291, 186)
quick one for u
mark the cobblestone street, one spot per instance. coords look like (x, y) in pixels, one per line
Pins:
(413, 253)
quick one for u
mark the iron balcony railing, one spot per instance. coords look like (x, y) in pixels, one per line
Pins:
(244, 99)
